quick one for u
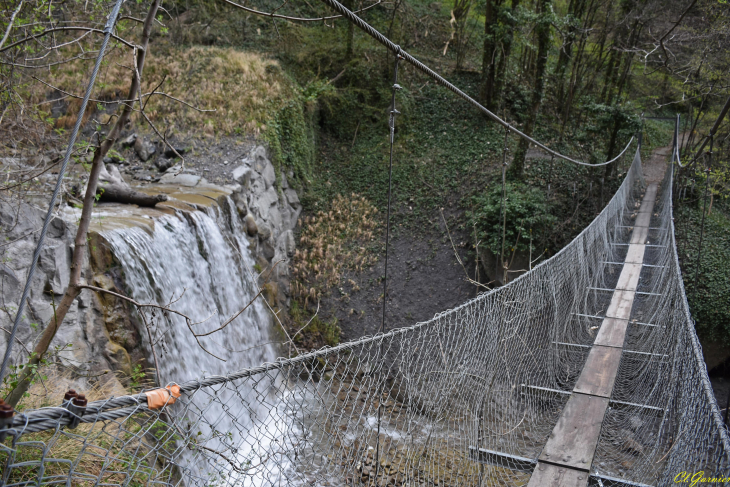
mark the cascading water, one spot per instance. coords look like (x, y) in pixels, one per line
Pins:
(202, 263)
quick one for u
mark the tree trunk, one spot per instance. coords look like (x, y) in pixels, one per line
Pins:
(610, 169)
(77, 262)
(460, 14)
(124, 194)
(350, 4)
(575, 11)
(543, 44)
(507, 51)
(489, 54)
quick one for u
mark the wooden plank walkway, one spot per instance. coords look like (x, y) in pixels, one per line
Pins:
(566, 459)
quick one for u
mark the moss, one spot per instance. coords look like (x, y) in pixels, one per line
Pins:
(291, 138)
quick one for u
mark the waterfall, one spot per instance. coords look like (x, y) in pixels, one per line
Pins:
(201, 262)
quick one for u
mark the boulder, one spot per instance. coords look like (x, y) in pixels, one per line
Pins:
(8, 280)
(263, 166)
(240, 201)
(129, 141)
(291, 197)
(264, 231)
(143, 149)
(55, 263)
(189, 180)
(57, 228)
(286, 243)
(251, 227)
(241, 175)
(163, 165)
(266, 203)
(267, 248)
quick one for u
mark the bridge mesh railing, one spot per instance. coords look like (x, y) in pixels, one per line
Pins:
(467, 398)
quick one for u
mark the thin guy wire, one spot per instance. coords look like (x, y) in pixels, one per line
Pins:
(391, 124)
(89, 88)
(372, 32)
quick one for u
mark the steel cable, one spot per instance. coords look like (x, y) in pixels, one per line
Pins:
(111, 22)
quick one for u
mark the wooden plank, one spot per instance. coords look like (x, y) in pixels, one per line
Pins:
(629, 278)
(640, 235)
(643, 219)
(621, 304)
(612, 333)
(635, 255)
(649, 197)
(575, 436)
(546, 475)
(599, 371)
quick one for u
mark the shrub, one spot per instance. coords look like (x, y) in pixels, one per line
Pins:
(526, 212)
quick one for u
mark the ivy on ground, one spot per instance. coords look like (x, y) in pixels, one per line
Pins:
(708, 291)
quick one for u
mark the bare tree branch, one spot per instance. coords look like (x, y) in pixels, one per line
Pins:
(10, 24)
(296, 19)
(60, 29)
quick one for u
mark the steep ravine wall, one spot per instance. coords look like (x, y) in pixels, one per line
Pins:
(106, 339)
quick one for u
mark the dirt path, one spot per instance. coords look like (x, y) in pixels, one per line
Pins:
(656, 165)
(424, 278)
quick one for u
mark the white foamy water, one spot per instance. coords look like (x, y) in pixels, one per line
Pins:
(203, 261)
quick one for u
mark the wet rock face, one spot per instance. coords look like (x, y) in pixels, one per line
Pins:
(270, 211)
(83, 339)
(102, 329)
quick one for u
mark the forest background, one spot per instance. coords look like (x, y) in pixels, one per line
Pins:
(582, 76)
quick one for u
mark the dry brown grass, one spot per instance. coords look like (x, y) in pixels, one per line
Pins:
(331, 242)
(50, 391)
(245, 89)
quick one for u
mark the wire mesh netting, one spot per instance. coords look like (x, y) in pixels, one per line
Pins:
(467, 398)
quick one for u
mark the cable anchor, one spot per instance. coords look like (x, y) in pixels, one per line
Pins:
(6, 419)
(77, 408)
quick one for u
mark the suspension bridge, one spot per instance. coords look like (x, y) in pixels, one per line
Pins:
(584, 371)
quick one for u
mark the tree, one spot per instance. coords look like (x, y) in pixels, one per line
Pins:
(542, 31)
(75, 282)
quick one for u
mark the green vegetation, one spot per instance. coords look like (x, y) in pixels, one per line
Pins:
(708, 291)
(566, 71)
(525, 205)
(317, 330)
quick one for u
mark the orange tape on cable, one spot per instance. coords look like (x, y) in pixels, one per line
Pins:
(162, 397)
